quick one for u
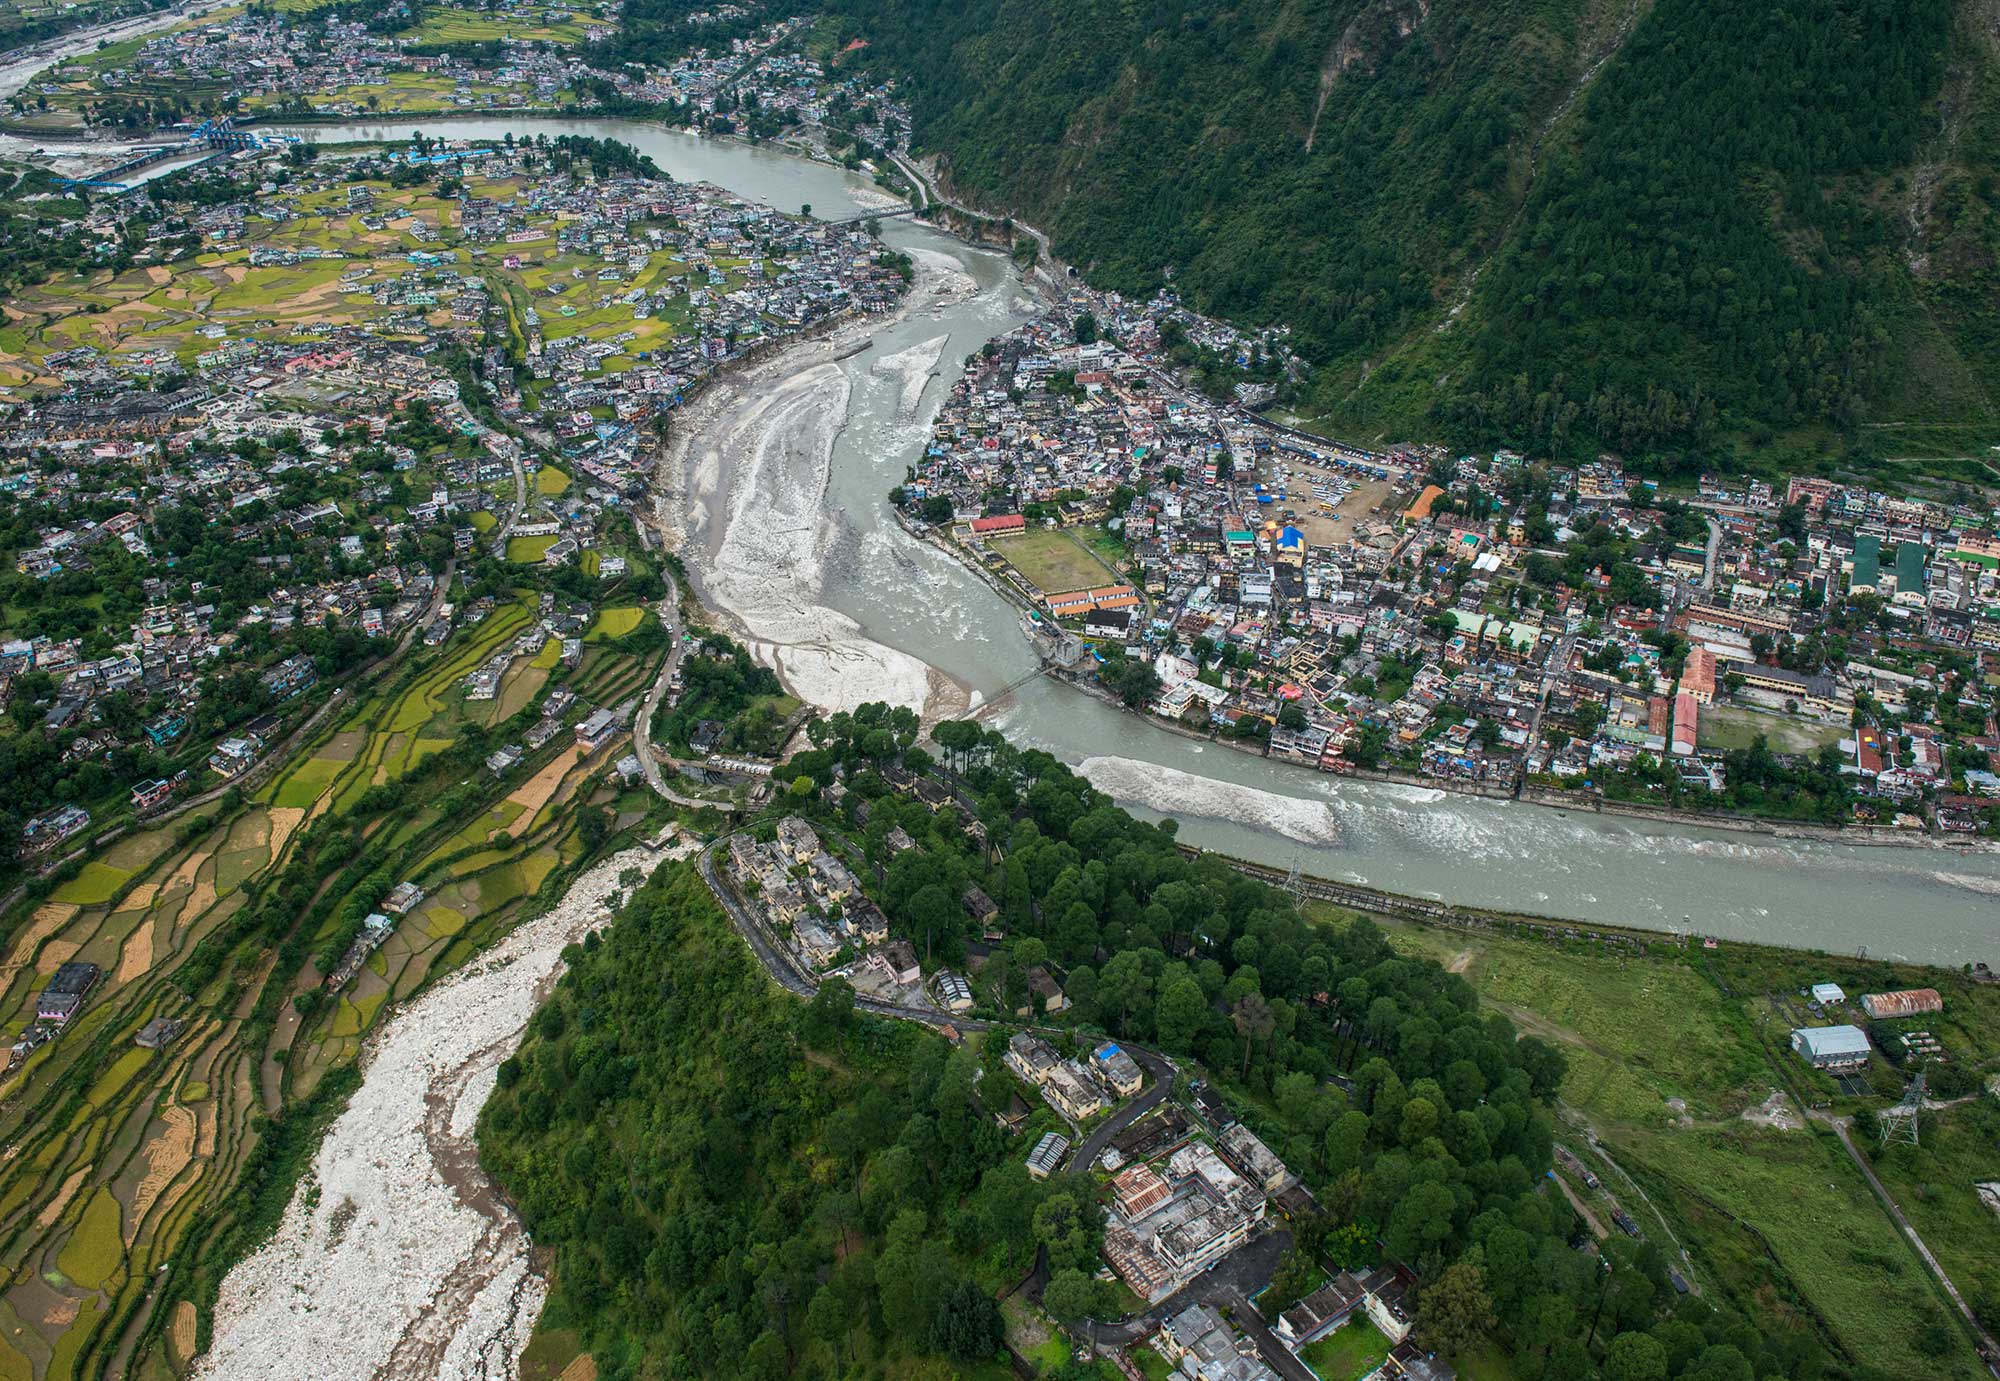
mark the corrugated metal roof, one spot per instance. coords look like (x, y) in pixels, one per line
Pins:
(1910, 567)
(1867, 560)
(1906, 1003)
(1821, 1042)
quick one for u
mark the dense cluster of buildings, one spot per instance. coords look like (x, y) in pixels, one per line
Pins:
(348, 464)
(1485, 622)
(815, 903)
(766, 80)
(1848, 1048)
(271, 62)
(1064, 1084)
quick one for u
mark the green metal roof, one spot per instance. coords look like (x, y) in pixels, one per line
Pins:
(1910, 566)
(1867, 561)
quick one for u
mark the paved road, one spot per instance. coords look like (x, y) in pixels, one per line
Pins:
(1162, 1070)
(1708, 562)
(1276, 1355)
(642, 727)
(506, 528)
(1558, 668)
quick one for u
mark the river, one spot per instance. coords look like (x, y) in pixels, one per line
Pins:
(1908, 903)
(21, 66)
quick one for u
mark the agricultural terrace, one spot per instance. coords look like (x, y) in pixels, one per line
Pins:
(412, 93)
(137, 1176)
(574, 294)
(1679, 1065)
(79, 80)
(349, 274)
(155, 315)
(527, 551)
(560, 24)
(108, 81)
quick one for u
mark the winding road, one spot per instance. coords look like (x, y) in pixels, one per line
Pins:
(642, 727)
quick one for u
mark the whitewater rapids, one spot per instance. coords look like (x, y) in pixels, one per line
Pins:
(1169, 791)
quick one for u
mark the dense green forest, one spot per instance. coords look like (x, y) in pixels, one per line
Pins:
(1559, 224)
(736, 1182)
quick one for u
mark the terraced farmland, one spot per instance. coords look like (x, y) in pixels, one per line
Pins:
(136, 1176)
(352, 266)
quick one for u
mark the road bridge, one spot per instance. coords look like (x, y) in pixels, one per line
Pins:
(867, 216)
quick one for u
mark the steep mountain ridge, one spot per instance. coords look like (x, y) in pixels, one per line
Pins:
(1560, 224)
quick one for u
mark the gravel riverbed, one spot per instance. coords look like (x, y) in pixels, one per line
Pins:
(397, 1258)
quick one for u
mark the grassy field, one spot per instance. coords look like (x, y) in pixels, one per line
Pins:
(1591, 1005)
(304, 783)
(1723, 727)
(550, 481)
(1933, 1182)
(1348, 1353)
(615, 623)
(526, 551)
(1053, 561)
(98, 882)
(1667, 1068)
(92, 1252)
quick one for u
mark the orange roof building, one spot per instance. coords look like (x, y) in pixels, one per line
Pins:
(1698, 676)
(1421, 509)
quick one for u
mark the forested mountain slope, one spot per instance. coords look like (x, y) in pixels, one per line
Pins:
(1569, 224)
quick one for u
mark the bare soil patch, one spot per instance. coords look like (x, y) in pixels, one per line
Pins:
(53, 1210)
(166, 1156)
(137, 955)
(534, 793)
(181, 1331)
(49, 917)
(284, 819)
(1775, 1112)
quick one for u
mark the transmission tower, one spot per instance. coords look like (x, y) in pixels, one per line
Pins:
(1900, 1122)
(1294, 886)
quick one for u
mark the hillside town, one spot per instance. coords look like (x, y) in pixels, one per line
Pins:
(517, 57)
(247, 63)
(1195, 1201)
(1807, 650)
(368, 388)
